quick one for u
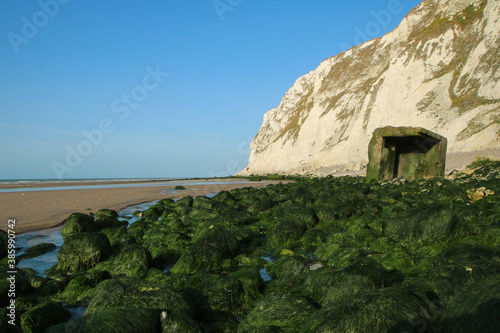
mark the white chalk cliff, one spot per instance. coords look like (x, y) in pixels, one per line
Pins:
(439, 69)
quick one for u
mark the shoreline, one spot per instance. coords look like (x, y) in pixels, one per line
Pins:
(97, 182)
(39, 210)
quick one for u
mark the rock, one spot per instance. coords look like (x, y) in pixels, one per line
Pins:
(208, 252)
(464, 264)
(77, 223)
(286, 312)
(283, 232)
(21, 283)
(37, 250)
(80, 289)
(179, 188)
(133, 293)
(216, 297)
(288, 266)
(42, 316)
(251, 280)
(383, 310)
(326, 284)
(113, 320)
(106, 218)
(424, 225)
(83, 251)
(133, 260)
(474, 309)
(178, 321)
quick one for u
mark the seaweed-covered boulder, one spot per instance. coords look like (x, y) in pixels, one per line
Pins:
(8, 324)
(208, 252)
(286, 312)
(118, 237)
(133, 260)
(83, 251)
(133, 293)
(216, 297)
(282, 233)
(382, 310)
(178, 321)
(251, 280)
(37, 250)
(106, 218)
(19, 282)
(474, 309)
(81, 287)
(42, 316)
(434, 223)
(288, 266)
(464, 264)
(113, 320)
(328, 284)
(77, 223)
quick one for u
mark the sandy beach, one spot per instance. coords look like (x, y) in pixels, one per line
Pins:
(39, 210)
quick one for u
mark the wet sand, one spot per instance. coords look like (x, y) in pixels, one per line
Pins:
(39, 210)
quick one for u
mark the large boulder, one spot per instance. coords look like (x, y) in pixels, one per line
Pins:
(278, 313)
(383, 310)
(42, 316)
(425, 225)
(83, 251)
(464, 264)
(474, 309)
(208, 252)
(328, 284)
(216, 297)
(133, 293)
(37, 250)
(77, 223)
(133, 260)
(113, 320)
(106, 218)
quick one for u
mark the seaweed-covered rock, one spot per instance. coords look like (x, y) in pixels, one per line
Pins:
(383, 310)
(83, 251)
(106, 218)
(113, 320)
(131, 292)
(282, 233)
(37, 250)
(178, 321)
(430, 224)
(474, 309)
(216, 297)
(77, 223)
(14, 326)
(43, 316)
(208, 252)
(133, 260)
(327, 284)
(19, 282)
(251, 280)
(118, 237)
(464, 264)
(287, 312)
(288, 266)
(80, 289)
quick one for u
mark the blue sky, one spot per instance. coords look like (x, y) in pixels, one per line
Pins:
(159, 88)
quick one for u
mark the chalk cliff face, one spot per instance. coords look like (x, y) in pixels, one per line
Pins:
(439, 69)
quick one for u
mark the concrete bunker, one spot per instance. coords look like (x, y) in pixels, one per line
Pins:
(408, 152)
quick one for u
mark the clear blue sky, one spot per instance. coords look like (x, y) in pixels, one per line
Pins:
(163, 88)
